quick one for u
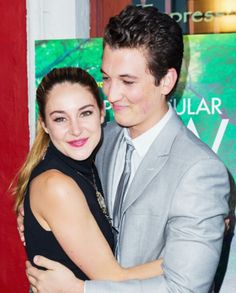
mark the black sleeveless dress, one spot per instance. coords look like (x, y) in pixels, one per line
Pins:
(42, 242)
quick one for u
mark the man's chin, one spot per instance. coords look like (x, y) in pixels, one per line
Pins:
(123, 123)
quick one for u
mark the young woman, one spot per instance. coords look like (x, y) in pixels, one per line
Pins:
(65, 215)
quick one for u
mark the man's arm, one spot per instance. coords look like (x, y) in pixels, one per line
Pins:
(57, 278)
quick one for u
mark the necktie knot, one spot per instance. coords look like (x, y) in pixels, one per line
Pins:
(128, 154)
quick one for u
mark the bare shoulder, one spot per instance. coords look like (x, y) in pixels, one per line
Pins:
(54, 185)
(55, 196)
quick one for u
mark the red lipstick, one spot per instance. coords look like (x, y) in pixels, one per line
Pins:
(78, 142)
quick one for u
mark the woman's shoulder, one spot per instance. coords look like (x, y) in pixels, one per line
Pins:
(45, 165)
(54, 184)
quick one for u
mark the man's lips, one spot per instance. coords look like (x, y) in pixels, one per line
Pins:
(78, 142)
(117, 107)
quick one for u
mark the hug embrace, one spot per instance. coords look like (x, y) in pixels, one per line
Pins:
(134, 205)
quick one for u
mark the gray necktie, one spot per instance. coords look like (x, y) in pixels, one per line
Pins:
(122, 186)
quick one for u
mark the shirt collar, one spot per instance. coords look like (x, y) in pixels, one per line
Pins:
(143, 142)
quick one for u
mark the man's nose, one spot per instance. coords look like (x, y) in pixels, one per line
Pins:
(112, 93)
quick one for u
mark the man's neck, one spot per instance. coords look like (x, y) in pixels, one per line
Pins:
(138, 130)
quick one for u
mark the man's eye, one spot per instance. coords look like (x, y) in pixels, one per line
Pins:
(59, 119)
(86, 113)
(104, 78)
(128, 82)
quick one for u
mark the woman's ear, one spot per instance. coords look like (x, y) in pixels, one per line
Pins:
(43, 125)
(102, 113)
(168, 81)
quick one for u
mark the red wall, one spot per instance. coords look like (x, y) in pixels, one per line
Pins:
(14, 137)
(101, 11)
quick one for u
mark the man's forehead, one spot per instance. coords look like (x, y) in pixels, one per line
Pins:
(123, 61)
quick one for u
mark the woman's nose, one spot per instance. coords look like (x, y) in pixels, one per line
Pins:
(75, 128)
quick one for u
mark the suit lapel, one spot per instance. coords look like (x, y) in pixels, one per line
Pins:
(112, 147)
(154, 161)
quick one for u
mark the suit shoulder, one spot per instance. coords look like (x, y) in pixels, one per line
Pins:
(110, 126)
(188, 145)
(110, 130)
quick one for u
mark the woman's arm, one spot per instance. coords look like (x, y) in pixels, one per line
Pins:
(144, 271)
(60, 206)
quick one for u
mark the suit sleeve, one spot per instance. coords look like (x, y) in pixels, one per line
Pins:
(194, 235)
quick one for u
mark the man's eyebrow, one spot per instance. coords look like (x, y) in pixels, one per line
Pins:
(129, 76)
(122, 75)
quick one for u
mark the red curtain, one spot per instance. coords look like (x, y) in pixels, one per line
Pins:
(14, 138)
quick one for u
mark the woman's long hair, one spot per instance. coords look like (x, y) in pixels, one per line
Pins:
(33, 158)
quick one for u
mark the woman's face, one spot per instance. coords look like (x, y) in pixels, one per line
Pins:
(73, 120)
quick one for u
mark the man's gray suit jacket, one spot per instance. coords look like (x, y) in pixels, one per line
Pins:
(174, 208)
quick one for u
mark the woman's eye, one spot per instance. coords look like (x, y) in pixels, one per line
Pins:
(59, 119)
(86, 113)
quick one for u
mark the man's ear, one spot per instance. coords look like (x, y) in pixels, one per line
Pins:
(168, 81)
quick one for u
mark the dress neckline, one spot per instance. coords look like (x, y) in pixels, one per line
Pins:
(83, 166)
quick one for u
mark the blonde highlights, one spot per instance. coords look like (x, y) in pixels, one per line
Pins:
(35, 155)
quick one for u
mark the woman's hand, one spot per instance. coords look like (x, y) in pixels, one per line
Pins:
(20, 223)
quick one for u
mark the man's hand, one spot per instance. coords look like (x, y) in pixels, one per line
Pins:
(20, 223)
(57, 278)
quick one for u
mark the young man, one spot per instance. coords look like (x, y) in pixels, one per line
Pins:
(176, 200)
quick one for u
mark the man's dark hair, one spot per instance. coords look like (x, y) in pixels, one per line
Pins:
(157, 33)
